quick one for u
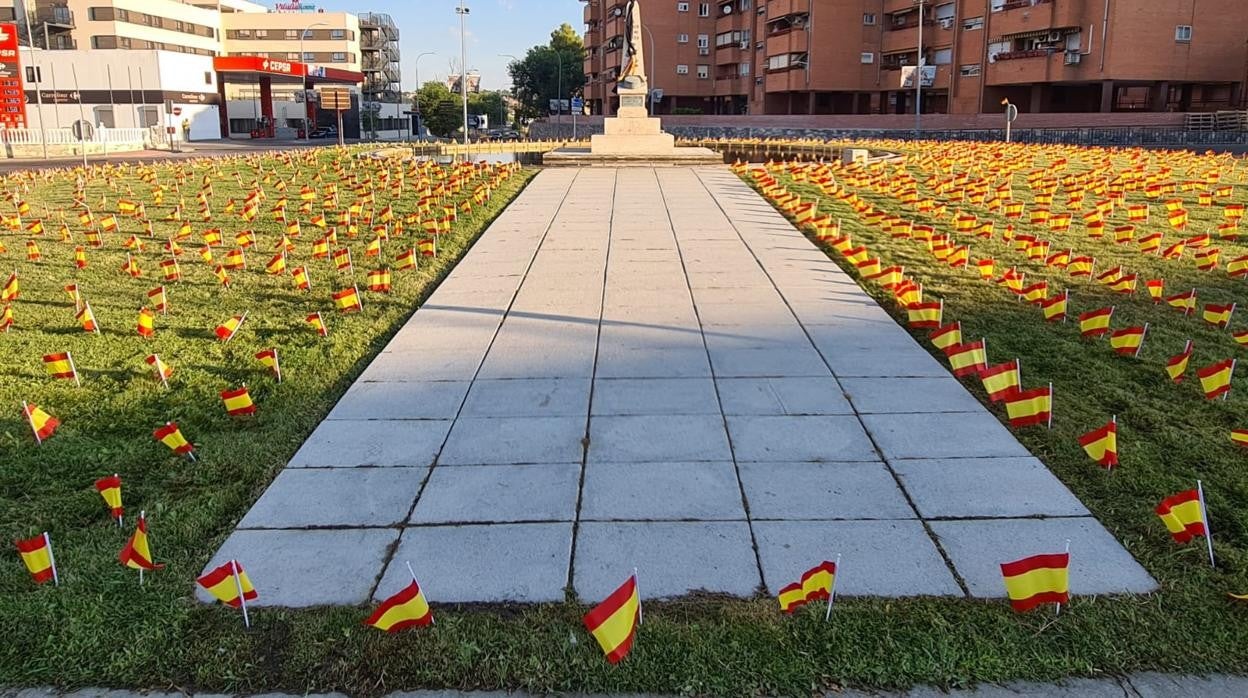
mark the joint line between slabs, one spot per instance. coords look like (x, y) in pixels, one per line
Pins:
(586, 444)
(789, 230)
(420, 491)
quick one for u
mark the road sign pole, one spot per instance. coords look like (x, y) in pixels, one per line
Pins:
(340, 143)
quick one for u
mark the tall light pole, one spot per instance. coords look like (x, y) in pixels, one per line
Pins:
(463, 65)
(513, 88)
(307, 132)
(559, 90)
(419, 130)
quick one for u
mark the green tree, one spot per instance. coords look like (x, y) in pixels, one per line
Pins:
(550, 71)
(492, 103)
(440, 109)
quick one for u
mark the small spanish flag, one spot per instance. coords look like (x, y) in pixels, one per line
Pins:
(342, 259)
(87, 319)
(1054, 308)
(6, 318)
(147, 323)
(348, 300)
(159, 299)
(36, 554)
(1001, 380)
(229, 585)
(947, 336)
(614, 622)
(1129, 340)
(268, 357)
(1215, 379)
(301, 279)
(318, 324)
(967, 359)
(137, 553)
(1239, 436)
(60, 366)
(1037, 580)
(1095, 323)
(226, 330)
(1101, 444)
(819, 582)
(1184, 515)
(1028, 407)
(238, 402)
(171, 436)
(925, 315)
(405, 260)
(406, 609)
(428, 247)
(110, 489)
(379, 281)
(276, 265)
(43, 424)
(1218, 315)
(11, 289)
(1185, 302)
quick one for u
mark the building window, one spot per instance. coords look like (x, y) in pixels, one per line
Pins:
(104, 117)
(682, 7)
(179, 26)
(682, 69)
(337, 33)
(207, 77)
(704, 40)
(262, 33)
(868, 19)
(292, 33)
(973, 23)
(942, 56)
(243, 33)
(340, 58)
(704, 9)
(1183, 33)
(867, 57)
(744, 5)
(149, 116)
(744, 69)
(969, 71)
(945, 11)
(101, 14)
(308, 57)
(123, 15)
(292, 56)
(682, 38)
(704, 72)
(242, 125)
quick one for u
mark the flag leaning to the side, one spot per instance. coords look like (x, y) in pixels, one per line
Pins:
(816, 583)
(229, 585)
(1215, 379)
(36, 554)
(137, 553)
(1176, 366)
(1183, 515)
(613, 623)
(110, 489)
(406, 609)
(1037, 580)
(1101, 444)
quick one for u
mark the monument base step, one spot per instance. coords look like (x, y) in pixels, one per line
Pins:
(675, 157)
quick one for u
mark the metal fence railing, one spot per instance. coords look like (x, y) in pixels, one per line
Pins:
(65, 136)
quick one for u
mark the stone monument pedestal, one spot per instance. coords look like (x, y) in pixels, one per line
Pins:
(632, 137)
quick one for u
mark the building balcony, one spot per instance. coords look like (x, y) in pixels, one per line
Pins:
(1020, 16)
(1040, 65)
(787, 42)
(780, 8)
(908, 38)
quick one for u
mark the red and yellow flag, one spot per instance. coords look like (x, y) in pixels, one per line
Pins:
(110, 489)
(1184, 515)
(60, 366)
(406, 609)
(1129, 340)
(967, 359)
(1037, 580)
(1218, 315)
(43, 424)
(1001, 380)
(238, 402)
(1215, 379)
(816, 583)
(1095, 323)
(171, 436)
(137, 553)
(1028, 407)
(163, 370)
(224, 583)
(318, 324)
(614, 621)
(36, 554)
(348, 300)
(925, 315)
(1101, 444)
(226, 330)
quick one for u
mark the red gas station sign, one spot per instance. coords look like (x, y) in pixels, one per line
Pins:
(12, 92)
(259, 64)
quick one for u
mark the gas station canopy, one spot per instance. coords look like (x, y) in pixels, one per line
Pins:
(246, 68)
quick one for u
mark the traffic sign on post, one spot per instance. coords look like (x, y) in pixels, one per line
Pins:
(338, 100)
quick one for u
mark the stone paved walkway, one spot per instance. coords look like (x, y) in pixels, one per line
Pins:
(653, 369)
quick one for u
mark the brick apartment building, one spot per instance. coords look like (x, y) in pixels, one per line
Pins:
(852, 56)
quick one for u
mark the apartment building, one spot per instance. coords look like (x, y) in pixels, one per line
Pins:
(861, 56)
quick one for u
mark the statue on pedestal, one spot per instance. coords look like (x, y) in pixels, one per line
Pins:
(633, 76)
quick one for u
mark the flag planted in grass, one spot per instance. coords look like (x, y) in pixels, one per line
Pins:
(1036, 580)
(614, 622)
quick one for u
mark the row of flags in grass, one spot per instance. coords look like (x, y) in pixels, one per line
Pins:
(1024, 406)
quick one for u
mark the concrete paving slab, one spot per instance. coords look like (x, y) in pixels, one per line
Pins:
(1098, 563)
(787, 360)
(985, 487)
(889, 394)
(499, 493)
(346, 443)
(1151, 684)
(661, 491)
(535, 397)
(308, 497)
(782, 396)
(878, 558)
(526, 563)
(299, 568)
(823, 491)
(950, 435)
(628, 396)
(658, 438)
(407, 400)
(799, 438)
(512, 440)
(715, 557)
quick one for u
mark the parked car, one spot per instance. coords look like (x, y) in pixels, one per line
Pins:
(320, 132)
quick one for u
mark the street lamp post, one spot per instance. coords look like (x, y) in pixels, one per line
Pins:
(918, 78)
(307, 132)
(559, 91)
(463, 66)
(419, 129)
(513, 89)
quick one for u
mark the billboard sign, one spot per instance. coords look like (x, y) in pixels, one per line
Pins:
(907, 76)
(12, 92)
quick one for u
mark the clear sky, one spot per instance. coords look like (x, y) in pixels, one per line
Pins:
(494, 27)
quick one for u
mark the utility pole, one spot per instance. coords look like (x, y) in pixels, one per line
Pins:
(463, 67)
(419, 129)
(307, 103)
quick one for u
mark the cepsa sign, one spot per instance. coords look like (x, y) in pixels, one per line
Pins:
(12, 92)
(258, 64)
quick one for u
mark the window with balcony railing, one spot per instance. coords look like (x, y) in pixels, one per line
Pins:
(786, 24)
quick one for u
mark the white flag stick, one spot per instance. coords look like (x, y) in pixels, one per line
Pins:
(73, 368)
(47, 540)
(242, 599)
(832, 592)
(637, 586)
(30, 419)
(1050, 405)
(412, 572)
(1204, 515)
(142, 517)
(1059, 603)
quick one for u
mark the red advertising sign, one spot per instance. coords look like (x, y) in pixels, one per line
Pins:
(258, 64)
(12, 92)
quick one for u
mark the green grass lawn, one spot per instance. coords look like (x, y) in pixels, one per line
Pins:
(99, 628)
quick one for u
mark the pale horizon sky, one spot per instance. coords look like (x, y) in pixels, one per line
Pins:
(494, 27)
